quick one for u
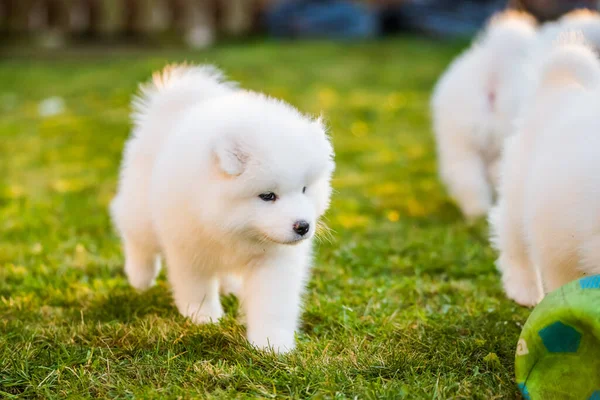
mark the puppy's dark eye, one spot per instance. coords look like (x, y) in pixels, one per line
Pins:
(304, 189)
(268, 196)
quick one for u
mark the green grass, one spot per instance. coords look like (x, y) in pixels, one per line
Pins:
(404, 302)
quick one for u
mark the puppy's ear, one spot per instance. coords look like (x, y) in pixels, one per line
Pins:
(230, 157)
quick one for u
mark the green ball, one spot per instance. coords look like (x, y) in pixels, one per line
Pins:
(558, 354)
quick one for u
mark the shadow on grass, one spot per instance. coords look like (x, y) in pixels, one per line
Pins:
(127, 305)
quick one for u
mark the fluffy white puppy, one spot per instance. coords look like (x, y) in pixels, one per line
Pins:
(546, 224)
(219, 181)
(522, 83)
(473, 107)
(586, 22)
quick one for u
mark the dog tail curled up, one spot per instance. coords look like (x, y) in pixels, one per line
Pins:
(571, 62)
(175, 89)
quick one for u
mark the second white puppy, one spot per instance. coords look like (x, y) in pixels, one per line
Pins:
(222, 181)
(546, 225)
(473, 107)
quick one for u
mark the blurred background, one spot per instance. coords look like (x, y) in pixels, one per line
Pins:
(202, 23)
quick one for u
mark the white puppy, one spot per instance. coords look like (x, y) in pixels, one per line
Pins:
(473, 107)
(221, 181)
(546, 225)
(522, 83)
(586, 22)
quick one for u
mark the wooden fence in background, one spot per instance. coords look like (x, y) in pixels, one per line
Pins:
(198, 19)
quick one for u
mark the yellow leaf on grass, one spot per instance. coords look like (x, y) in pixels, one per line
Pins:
(68, 186)
(37, 248)
(80, 257)
(415, 208)
(394, 102)
(327, 98)
(361, 99)
(16, 270)
(388, 188)
(352, 220)
(393, 216)
(359, 128)
(15, 192)
(415, 152)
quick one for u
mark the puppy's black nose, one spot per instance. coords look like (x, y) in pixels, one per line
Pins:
(301, 227)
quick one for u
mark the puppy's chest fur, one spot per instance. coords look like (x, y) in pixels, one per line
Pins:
(228, 256)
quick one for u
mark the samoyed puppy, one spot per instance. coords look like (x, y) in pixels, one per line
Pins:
(522, 85)
(222, 181)
(587, 22)
(473, 107)
(546, 225)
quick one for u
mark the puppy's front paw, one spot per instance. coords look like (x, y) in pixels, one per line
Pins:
(201, 313)
(522, 288)
(280, 341)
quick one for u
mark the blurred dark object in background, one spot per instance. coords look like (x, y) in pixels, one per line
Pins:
(440, 18)
(337, 19)
(546, 10)
(450, 18)
(200, 22)
(351, 19)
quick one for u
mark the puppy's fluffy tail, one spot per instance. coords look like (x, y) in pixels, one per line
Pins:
(175, 89)
(571, 61)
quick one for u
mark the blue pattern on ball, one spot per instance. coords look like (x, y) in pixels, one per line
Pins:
(560, 338)
(595, 395)
(590, 282)
(525, 392)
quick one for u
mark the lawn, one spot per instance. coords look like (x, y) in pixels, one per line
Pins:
(404, 301)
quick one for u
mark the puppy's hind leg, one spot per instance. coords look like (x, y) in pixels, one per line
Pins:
(130, 215)
(520, 279)
(142, 263)
(196, 291)
(465, 174)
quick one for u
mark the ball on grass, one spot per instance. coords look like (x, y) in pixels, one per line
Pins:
(558, 353)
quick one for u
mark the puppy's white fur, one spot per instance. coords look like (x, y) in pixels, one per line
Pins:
(521, 85)
(586, 22)
(200, 154)
(546, 225)
(473, 107)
